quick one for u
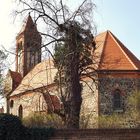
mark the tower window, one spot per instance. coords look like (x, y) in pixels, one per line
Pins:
(20, 57)
(20, 46)
(117, 100)
(11, 103)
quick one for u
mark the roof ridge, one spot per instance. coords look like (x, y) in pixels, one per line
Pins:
(106, 33)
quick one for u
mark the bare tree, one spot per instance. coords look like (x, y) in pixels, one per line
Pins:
(73, 31)
(3, 57)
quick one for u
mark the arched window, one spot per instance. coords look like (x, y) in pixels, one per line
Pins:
(11, 103)
(117, 100)
(20, 111)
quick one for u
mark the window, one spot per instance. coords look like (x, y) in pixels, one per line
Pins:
(20, 57)
(11, 103)
(20, 111)
(117, 100)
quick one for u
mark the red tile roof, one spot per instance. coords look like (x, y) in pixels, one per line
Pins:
(113, 55)
(53, 102)
(16, 77)
(131, 56)
(56, 102)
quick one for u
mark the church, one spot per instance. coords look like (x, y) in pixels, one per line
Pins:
(31, 87)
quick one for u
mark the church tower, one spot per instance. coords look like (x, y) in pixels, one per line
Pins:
(28, 47)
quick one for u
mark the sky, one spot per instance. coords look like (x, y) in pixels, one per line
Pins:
(121, 17)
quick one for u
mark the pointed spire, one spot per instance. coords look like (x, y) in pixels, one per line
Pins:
(29, 22)
(28, 25)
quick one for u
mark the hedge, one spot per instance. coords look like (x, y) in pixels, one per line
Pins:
(11, 128)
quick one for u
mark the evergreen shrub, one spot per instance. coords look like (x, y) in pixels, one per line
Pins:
(11, 128)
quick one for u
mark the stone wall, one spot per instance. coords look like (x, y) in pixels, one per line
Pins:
(127, 86)
(89, 107)
(97, 134)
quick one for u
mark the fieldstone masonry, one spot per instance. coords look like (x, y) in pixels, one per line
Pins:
(127, 86)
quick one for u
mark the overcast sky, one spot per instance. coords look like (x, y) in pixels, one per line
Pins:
(121, 17)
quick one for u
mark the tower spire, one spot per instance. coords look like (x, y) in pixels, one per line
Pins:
(28, 47)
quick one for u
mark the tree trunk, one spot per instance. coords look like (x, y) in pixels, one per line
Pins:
(73, 86)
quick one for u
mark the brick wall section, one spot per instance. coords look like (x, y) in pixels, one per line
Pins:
(97, 134)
